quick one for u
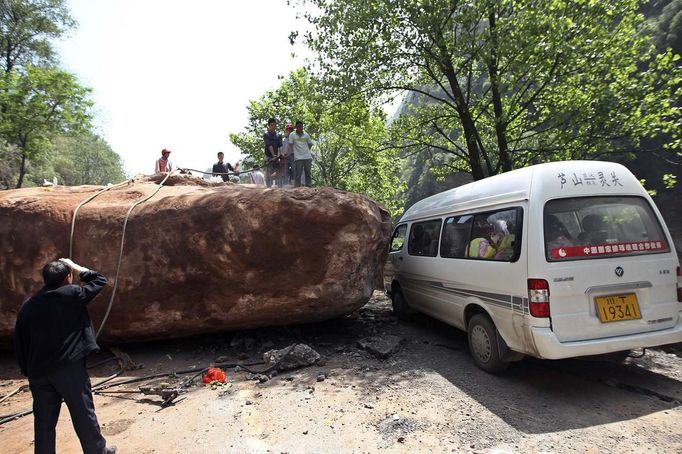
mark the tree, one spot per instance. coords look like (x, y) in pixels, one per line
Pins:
(38, 105)
(349, 151)
(664, 21)
(27, 28)
(42, 107)
(503, 83)
(85, 159)
(9, 163)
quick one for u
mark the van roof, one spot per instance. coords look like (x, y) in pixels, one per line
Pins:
(549, 181)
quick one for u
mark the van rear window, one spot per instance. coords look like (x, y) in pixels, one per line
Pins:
(595, 227)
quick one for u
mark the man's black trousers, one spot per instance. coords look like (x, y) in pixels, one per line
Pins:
(72, 384)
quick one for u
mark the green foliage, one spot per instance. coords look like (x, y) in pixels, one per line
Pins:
(500, 84)
(651, 192)
(665, 24)
(350, 152)
(45, 112)
(27, 28)
(37, 105)
(85, 159)
(72, 160)
(669, 180)
(10, 158)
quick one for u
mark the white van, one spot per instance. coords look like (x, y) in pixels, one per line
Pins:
(553, 261)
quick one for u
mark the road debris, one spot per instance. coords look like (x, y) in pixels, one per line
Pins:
(292, 357)
(214, 374)
(380, 346)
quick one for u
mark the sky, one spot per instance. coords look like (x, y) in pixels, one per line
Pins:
(177, 74)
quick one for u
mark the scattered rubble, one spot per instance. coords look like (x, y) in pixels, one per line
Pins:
(380, 346)
(397, 425)
(293, 357)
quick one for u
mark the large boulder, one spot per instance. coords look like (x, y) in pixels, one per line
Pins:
(197, 257)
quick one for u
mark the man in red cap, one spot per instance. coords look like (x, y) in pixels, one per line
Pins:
(163, 164)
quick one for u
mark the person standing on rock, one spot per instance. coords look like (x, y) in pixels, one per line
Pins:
(53, 336)
(257, 177)
(163, 164)
(288, 155)
(272, 142)
(300, 143)
(221, 168)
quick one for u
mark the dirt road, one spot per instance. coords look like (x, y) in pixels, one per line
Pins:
(427, 397)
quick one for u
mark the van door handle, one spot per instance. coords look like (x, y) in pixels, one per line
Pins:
(400, 258)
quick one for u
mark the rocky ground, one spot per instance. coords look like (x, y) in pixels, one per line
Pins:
(416, 391)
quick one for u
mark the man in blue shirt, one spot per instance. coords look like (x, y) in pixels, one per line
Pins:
(272, 142)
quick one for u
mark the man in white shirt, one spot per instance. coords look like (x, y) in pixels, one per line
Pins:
(300, 143)
(257, 178)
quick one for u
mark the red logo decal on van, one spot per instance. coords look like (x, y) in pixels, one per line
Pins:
(607, 249)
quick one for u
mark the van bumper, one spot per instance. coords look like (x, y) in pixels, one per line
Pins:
(549, 347)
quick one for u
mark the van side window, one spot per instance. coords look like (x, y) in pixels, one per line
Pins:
(424, 238)
(398, 238)
(456, 234)
(494, 235)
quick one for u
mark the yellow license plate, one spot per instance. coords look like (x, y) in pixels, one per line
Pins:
(614, 308)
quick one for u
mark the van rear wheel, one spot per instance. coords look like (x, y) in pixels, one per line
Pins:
(482, 337)
(400, 307)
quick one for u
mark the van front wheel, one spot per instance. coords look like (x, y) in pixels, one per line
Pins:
(400, 307)
(483, 344)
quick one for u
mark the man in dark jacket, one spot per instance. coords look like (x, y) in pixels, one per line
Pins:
(53, 337)
(272, 142)
(221, 168)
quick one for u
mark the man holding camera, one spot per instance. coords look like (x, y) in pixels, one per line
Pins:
(53, 337)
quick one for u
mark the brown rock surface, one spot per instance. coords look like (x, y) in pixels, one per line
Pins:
(198, 258)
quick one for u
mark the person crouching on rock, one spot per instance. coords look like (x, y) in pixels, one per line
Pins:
(53, 336)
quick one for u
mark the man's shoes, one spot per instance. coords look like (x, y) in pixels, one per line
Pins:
(110, 450)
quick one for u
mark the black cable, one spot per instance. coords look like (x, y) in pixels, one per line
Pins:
(12, 417)
(166, 374)
(258, 167)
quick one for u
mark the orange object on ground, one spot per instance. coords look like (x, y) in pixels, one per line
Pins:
(214, 374)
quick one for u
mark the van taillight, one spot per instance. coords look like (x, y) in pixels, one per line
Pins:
(679, 284)
(538, 297)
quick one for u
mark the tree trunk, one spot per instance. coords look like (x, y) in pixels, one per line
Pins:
(500, 126)
(22, 170)
(468, 125)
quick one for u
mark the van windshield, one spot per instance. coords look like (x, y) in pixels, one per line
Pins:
(595, 227)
